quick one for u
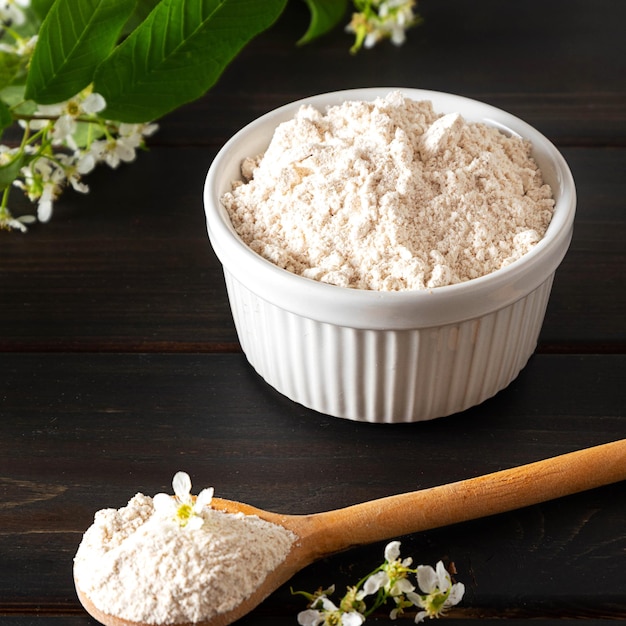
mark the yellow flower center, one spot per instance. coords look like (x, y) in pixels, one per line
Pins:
(184, 513)
(332, 619)
(73, 108)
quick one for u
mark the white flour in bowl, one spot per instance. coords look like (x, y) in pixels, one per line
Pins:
(134, 564)
(389, 195)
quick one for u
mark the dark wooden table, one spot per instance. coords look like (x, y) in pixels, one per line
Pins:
(120, 365)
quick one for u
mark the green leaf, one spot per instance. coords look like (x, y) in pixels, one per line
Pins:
(9, 171)
(74, 38)
(13, 96)
(41, 8)
(177, 54)
(325, 15)
(6, 119)
(9, 67)
(86, 132)
(140, 13)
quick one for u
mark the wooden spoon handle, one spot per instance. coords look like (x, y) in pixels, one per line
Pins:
(498, 492)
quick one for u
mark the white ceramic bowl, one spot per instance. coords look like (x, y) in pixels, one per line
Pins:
(388, 356)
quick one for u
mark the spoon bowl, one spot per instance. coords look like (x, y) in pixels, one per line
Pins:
(322, 534)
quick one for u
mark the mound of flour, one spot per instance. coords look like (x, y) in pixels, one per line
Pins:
(389, 195)
(138, 566)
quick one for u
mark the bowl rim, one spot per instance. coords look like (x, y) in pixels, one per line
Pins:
(360, 308)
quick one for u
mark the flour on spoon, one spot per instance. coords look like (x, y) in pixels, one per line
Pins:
(137, 564)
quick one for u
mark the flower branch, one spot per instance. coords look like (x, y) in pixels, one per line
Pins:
(433, 594)
(74, 82)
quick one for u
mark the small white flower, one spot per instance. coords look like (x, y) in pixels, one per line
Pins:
(22, 47)
(74, 167)
(433, 580)
(183, 508)
(7, 154)
(67, 113)
(391, 579)
(122, 149)
(8, 222)
(43, 181)
(113, 151)
(133, 134)
(80, 104)
(385, 19)
(11, 11)
(441, 594)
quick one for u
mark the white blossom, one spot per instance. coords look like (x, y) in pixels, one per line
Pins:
(43, 180)
(8, 222)
(385, 19)
(112, 151)
(122, 149)
(440, 593)
(22, 47)
(74, 166)
(12, 11)
(133, 134)
(389, 581)
(183, 508)
(67, 113)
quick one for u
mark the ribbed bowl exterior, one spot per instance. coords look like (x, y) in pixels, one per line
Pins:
(387, 376)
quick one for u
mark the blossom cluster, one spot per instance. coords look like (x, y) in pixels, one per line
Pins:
(63, 142)
(434, 595)
(60, 143)
(376, 20)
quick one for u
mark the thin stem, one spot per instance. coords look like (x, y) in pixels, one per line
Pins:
(53, 118)
(4, 211)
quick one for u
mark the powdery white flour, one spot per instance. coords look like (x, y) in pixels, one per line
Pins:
(390, 195)
(138, 566)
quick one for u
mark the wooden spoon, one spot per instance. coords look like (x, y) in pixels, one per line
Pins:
(322, 534)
